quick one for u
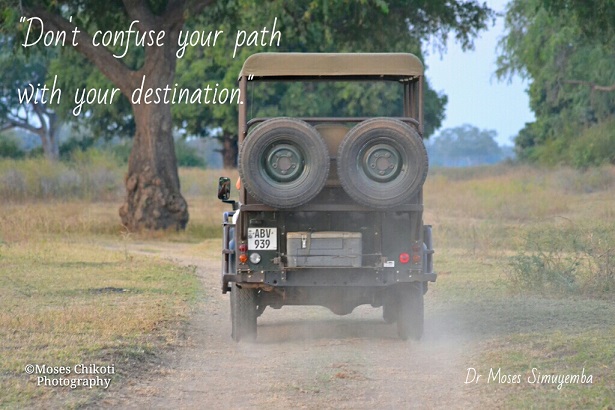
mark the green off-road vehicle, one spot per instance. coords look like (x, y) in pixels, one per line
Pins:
(330, 208)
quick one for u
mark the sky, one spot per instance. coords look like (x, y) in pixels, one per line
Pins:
(475, 95)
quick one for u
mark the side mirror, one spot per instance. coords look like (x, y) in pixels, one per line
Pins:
(224, 188)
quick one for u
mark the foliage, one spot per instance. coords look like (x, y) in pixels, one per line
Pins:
(93, 175)
(187, 156)
(596, 146)
(314, 26)
(153, 164)
(104, 121)
(9, 148)
(566, 260)
(596, 18)
(21, 72)
(75, 144)
(305, 26)
(466, 145)
(570, 89)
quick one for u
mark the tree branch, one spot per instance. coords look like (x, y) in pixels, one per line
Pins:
(6, 127)
(101, 57)
(14, 123)
(138, 10)
(592, 86)
(15, 117)
(41, 116)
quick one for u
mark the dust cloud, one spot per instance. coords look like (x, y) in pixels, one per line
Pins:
(307, 357)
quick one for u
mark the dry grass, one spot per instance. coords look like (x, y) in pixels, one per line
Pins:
(91, 176)
(54, 271)
(493, 208)
(66, 299)
(65, 302)
(482, 218)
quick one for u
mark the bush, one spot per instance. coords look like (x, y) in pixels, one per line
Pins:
(121, 150)
(566, 261)
(577, 181)
(68, 148)
(92, 175)
(188, 156)
(9, 148)
(596, 146)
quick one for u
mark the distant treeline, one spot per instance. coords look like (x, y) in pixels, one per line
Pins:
(466, 146)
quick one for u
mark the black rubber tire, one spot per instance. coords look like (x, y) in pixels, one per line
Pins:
(410, 314)
(373, 180)
(389, 312)
(284, 162)
(243, 314)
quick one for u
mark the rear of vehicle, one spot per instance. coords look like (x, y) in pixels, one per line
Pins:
(331, 200)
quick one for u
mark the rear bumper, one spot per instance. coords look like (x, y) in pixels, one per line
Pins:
(307, 277)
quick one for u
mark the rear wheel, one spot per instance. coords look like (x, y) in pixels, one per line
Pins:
(389, 312)
(284, 162)
(382, 163)
(410, 314)
(243, 313)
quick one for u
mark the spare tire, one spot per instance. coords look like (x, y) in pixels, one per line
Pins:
(382, 163)
(284, 162)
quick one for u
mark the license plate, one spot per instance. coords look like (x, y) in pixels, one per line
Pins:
(262, 239)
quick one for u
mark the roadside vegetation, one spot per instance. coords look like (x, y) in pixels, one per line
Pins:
(526, 253)
(70, 290)
(526, 263)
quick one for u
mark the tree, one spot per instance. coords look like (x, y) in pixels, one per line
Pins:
(153, 194)
(595, 18)
(570, 76)
(35, 116)
(324, 26)
(153, 198)
(466, 145)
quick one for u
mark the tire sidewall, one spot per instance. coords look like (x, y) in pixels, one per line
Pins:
(315, 164)
(413, 171)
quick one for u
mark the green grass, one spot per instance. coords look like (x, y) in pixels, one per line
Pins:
(70, 292)
(521, 331)
(59, 298)
(66, 302)
(483, 218)
(557, 352)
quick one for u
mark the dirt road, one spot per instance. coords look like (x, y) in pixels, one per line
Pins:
(305, 357)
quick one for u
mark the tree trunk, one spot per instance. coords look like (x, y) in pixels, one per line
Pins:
(54, 126)
(229, 151)
(49, 144)
(153, 198)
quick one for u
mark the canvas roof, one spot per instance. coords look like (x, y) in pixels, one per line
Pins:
(400, 65)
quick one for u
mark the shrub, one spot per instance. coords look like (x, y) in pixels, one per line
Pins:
(9, 148)
(569, 260)
(595, 146)
(121, 150)
(101, 173)
(576, 181)
(92, 174)
(188, 156)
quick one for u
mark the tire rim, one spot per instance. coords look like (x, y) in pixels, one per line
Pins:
(381, 162)
(283, 162)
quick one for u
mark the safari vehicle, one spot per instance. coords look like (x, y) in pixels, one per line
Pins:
(330, 208)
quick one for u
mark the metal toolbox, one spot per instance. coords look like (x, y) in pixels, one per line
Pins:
(323, 249)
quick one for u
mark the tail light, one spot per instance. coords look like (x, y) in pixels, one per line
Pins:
(417, 253)
(243, 256)
(404, 258)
